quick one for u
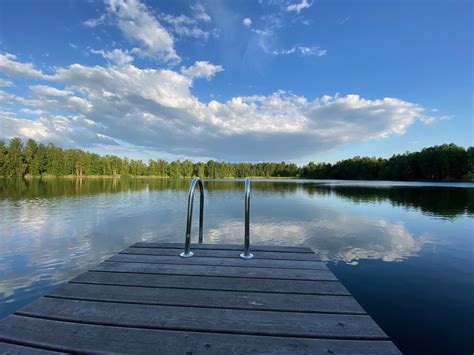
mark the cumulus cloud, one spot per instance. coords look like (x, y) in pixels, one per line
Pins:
(155, 109)
(10, 66)
(116, 56)
(247, 22)
(334, 242)
(297, 7)
(139, 26)
(202, 69)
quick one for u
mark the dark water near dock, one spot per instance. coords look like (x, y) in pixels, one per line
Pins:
(404, 250)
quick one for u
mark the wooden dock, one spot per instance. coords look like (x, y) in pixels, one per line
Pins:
(146, 299)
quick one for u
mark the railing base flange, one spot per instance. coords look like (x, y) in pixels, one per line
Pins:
(246, 256)
(188, 255)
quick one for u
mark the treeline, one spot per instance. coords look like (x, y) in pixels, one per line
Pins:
(447, 162)
(439, 163)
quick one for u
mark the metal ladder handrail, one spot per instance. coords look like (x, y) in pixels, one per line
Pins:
(187, 244)
(247, 254)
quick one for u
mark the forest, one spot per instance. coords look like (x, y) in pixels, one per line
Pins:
(446, 162)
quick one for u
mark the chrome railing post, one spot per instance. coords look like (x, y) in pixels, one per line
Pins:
(187, 243)
(247, 254)
(201, 211)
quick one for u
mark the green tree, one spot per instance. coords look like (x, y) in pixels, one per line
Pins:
(470, 163)
(175, 169)
(29, 153)
(187, 168)
(163, 168)
(15, 165)
(200, 170)
(3, 157)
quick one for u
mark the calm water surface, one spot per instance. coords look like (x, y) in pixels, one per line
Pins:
(404, 250)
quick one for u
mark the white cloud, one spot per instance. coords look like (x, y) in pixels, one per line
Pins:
(185, 26)
(247, 22)
(193, 26)
(5, 83)
(94, 22)
(117, 56)
(202, 69)
(155, 109)
(10, 66)
(312, 51)
(391, 242)
(140, 26)
(265, 32)
(200, 13)
(302, 50)
(297, 7)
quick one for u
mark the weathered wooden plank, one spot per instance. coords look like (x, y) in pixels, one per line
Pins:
(6, 348)
(214, 283)
(214, 299)
(269, 248)
(245, 272)
(74, 337)
(209, 253)
(307, 325)
(196, 260)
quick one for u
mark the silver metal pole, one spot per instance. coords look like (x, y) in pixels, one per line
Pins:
(187, 243)
(247, 254)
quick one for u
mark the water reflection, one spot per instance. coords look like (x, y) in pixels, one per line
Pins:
(368, 239)
(439, 199)
(53, 229)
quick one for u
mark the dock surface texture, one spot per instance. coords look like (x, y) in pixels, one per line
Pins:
(147, 299)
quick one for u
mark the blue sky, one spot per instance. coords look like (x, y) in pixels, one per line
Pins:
(238, 80)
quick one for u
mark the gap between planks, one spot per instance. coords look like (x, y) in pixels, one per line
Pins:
(199, 261)
(78, 337)
(248, 322)
(221, 254)
(228, 247)
(220, 283)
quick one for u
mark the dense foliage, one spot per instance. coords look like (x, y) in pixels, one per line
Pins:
(444, 162)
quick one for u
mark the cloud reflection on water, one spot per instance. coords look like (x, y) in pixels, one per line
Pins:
(48, 237)
(345, 239)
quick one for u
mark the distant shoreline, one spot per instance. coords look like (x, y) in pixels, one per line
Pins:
(446, 162)
(96, 177)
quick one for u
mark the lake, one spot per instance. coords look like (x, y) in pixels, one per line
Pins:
(404, 250)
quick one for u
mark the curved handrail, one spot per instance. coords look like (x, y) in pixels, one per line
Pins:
(247, 254)
(187, 244)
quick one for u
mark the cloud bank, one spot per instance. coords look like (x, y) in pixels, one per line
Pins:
(86, 106)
